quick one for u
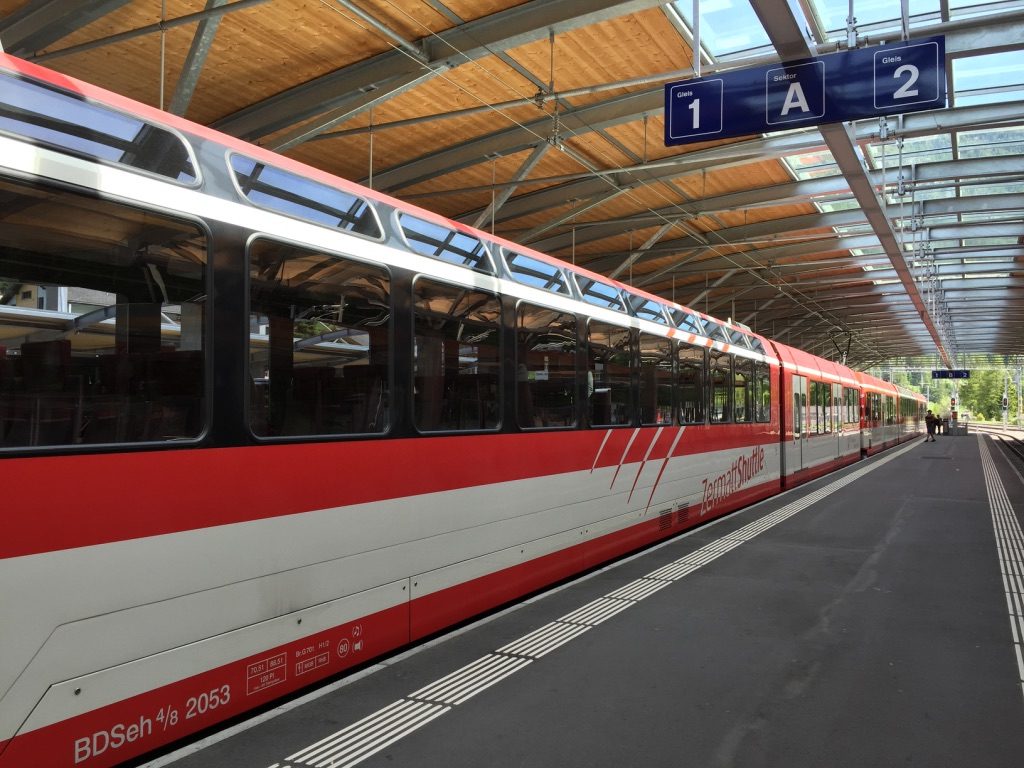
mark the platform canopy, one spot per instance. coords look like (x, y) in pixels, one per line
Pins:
(543, 122)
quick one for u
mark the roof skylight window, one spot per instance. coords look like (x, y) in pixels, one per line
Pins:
(959, 9)
(830, 206)
(853, 229)
(726, 26)
(877, 14)
(991, 79)
(813, 165)
(920, 149)
(991, 142)
(983, 241)
(991, 216)
(970, 190)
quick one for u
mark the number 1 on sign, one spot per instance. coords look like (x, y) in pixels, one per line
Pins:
(694, 106)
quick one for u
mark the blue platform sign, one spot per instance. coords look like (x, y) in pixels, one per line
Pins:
(951, 374)
(907, 76)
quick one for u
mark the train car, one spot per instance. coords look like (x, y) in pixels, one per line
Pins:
(820, 402)
(259, 425)
(889, 414)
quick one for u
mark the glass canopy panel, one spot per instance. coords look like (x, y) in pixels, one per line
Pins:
(970, 190)
(853, 229)
(983, 241)
(991, 216)
(959, 9)
(726, 26)
(921, 149)
(991, 79)
(830, 206)
(813, 165)
(992, 142)
(878, 14)
(930, 193)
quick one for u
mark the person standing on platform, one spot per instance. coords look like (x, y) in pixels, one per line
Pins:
(930, 422)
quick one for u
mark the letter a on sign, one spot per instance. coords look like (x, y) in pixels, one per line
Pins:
(795, 98)
(794, 93)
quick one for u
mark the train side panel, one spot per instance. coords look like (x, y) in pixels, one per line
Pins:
(218, 619)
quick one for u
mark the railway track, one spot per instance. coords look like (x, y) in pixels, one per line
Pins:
(1009, 438)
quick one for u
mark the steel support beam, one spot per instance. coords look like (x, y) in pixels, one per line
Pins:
(525, 169)
(195, 60)
(332, 94)
(39, 24)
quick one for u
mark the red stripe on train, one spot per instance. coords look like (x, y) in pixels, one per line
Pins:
(116, 497)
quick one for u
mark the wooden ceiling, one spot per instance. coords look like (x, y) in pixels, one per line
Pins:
(549, 110)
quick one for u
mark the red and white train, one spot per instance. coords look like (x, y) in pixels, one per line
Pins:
(259, 424)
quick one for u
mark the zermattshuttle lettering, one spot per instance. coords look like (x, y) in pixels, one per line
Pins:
(739, 474)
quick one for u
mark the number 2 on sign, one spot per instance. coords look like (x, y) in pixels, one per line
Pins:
(694, 106)
(907, 89)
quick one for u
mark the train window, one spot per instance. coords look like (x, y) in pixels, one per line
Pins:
(756, 345)
(446, 244)
(826, 408)
(836, 408)
(609, 374)
(688, 323)
(692, 393)
(852, 405)
(291, 194)
(655, 379)
(799, 406)
(874, 409)
(716, 331)
(600, 294)
(763, 393)
(546, 367)
(742, 390)
(102, 321)
(720, 382)
(646, 309)
(68, 123)
(823, 407)
(319, 336)
(814, 404)
(456, 358)
(736, 337)
(534, 272)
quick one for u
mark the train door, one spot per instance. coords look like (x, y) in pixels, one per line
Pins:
(795, 452)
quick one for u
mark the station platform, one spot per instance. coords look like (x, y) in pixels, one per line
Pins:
(871, 618)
